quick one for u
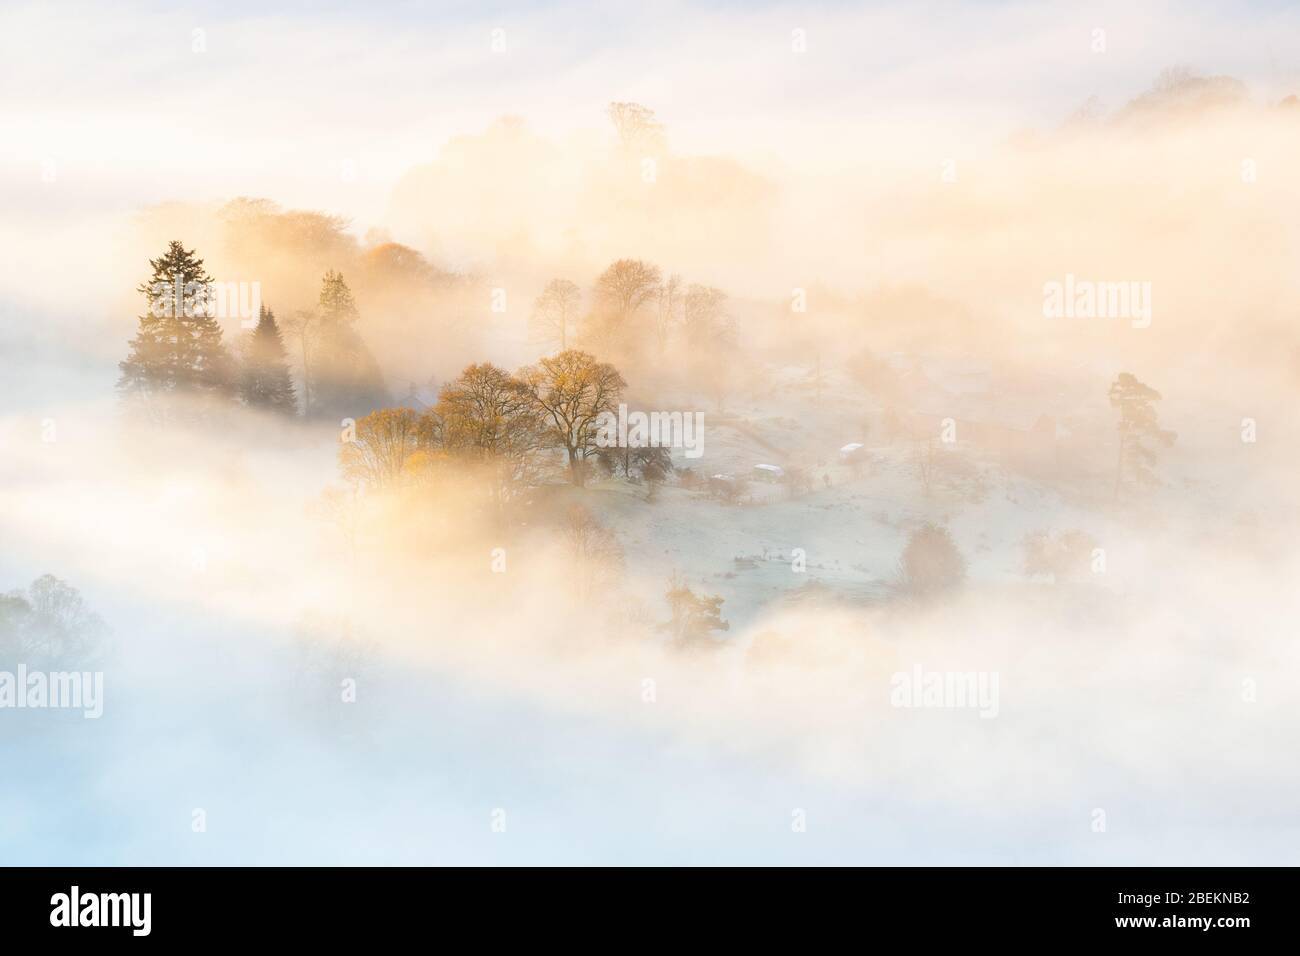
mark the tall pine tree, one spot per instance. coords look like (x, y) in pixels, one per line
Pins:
(346, 380)
(177, 363)
(1139, 431)
(264, 380)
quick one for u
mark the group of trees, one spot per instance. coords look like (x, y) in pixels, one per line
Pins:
(179, 366)
(339, 373)
(651, 464)
(1140, 435)
(491, 422)
(634, 310)
(931, 564)
(49, 624)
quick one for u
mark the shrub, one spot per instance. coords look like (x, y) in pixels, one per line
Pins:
(931, 563)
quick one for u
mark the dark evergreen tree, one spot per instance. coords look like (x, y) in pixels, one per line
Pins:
(177, 352)
(264, 380)
(346, 380)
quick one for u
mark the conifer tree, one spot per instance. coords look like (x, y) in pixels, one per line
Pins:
(1139, 431)
(346, 380)
(264, 380)
(337, 307)
(177, 352)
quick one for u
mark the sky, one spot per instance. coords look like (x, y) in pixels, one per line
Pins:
(328, 104)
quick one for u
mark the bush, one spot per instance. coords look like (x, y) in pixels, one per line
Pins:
(931, 563)
(694, 616)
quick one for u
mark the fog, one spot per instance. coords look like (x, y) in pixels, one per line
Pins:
(475, 657)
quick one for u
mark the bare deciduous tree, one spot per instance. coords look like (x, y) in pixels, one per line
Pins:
(704, 316)
(571, 390)
(637, 128)
(669, 304)
(555, 312)
(384, 442)
(626, 286)
(709, 331)
(489, 418)
(596, 556)
(49, 623)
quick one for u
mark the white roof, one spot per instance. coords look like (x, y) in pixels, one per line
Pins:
(775, 469)
(851, 447)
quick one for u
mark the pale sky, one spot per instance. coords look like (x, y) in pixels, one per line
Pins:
(326, 105)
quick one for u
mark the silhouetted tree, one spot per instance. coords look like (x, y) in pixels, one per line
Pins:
(710, 334)
(627, 285)
(704, 317)
(177, 355)
(555, 312)
(668, 307)
(345, 379)
(620, 292)
(264, 380)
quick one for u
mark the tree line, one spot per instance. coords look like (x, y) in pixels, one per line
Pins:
(178, 365)
(638, 314)
(491, 422)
